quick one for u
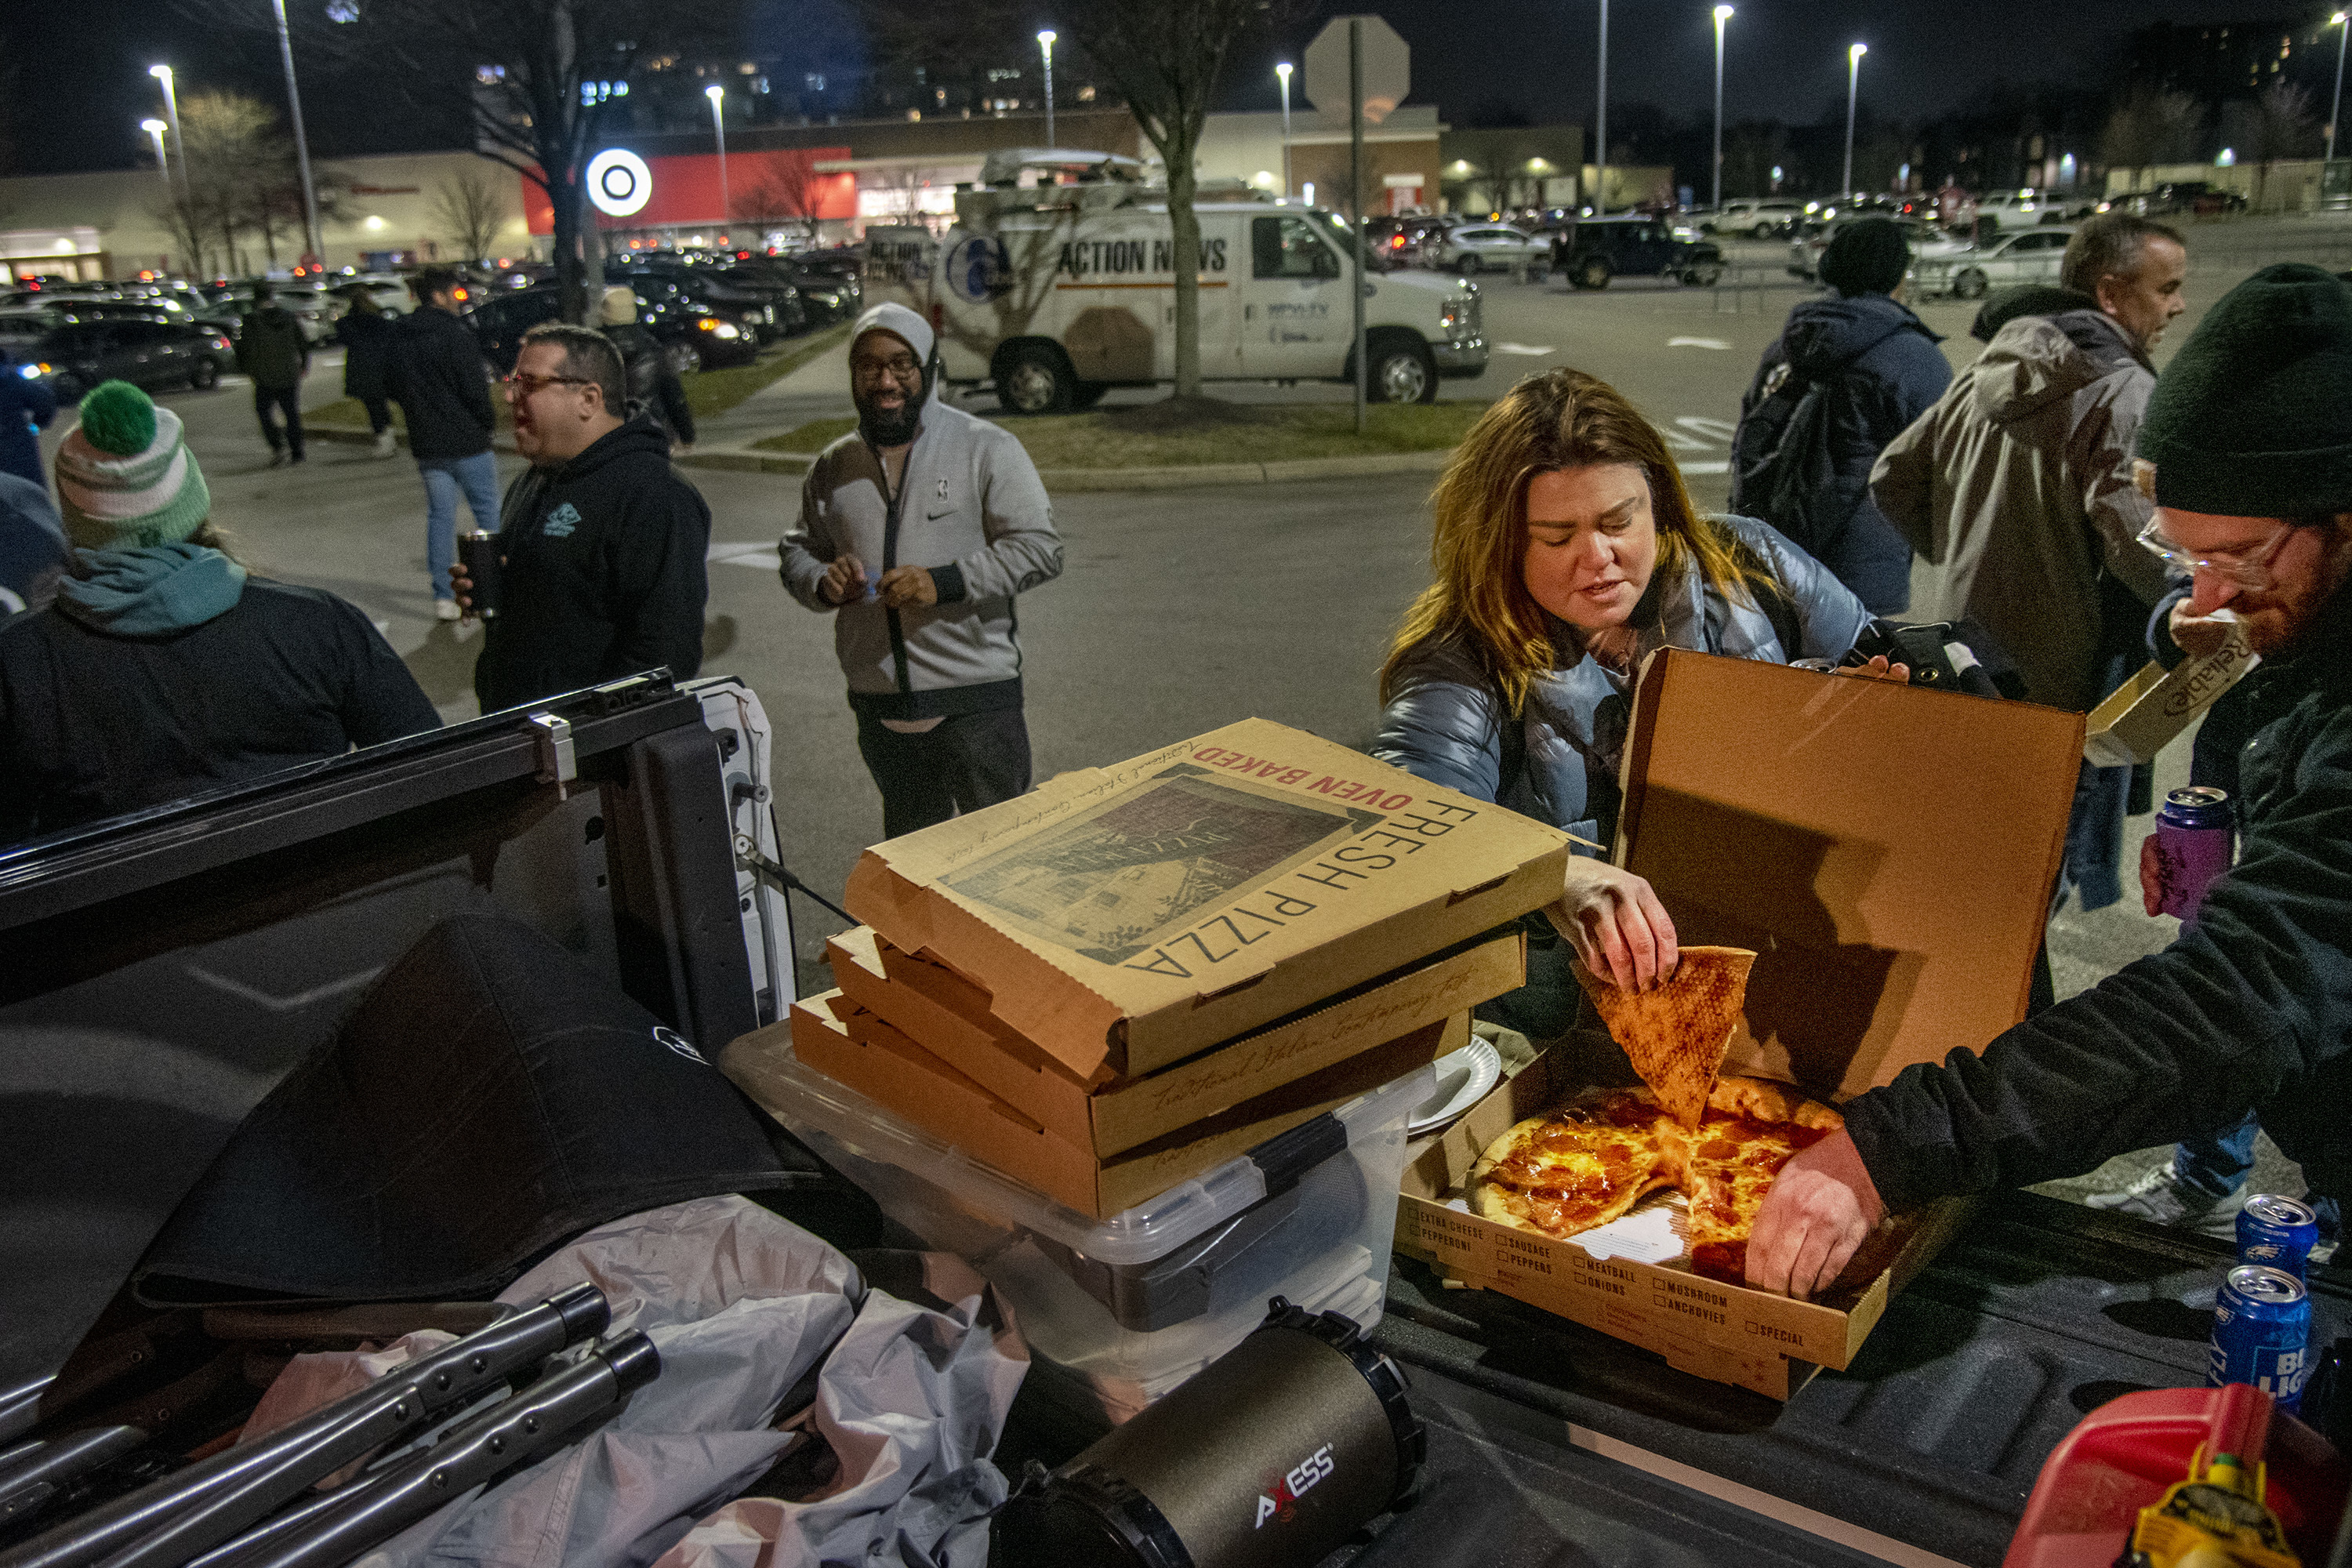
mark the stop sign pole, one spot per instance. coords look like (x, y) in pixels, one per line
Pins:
(1355, 197)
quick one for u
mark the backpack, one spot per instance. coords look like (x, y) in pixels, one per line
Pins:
(1780, 459)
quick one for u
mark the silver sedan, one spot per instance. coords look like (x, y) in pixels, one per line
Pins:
(1967, 272)
(1486, 248)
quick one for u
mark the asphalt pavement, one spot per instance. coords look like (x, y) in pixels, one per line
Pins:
(1177, 611)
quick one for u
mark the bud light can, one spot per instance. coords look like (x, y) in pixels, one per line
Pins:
(2262, 1325)
(2277, 1233)
(2193, 845)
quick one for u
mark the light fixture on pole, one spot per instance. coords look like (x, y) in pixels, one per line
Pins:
(155, 128)
(1601, 125)
(1282, 69)
(1046, 43)
(1853, 79)
(172, 112)
(2335, 105)
(1722, 15)
(717, 97)
(301, 144)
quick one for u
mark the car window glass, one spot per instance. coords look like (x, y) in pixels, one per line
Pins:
(1286, 247)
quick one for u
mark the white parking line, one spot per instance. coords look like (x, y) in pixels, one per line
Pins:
(1697, 343)
(1524, 349)
(763, 556)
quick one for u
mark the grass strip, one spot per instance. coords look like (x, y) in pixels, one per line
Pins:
(1147, 436)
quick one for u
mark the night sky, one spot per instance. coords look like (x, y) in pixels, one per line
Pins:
(81, 85)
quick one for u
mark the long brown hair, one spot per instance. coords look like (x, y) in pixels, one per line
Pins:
(1560, 419)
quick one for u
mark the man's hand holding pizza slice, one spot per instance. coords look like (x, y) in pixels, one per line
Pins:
(1819, 1209)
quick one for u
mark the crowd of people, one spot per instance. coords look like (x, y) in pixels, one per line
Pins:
(2067, 509)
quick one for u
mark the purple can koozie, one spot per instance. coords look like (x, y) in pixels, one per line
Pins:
(2194, 844)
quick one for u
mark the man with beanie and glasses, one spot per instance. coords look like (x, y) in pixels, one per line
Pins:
(1851, 370)
(2249, 434)
(917, 529)
(163, 668)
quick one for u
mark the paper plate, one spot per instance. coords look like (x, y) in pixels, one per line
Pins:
(1464, 1076)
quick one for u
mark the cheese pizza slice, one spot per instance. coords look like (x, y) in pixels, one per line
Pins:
(1677, 1033)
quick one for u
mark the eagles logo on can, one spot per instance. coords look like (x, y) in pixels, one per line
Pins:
(978, 270)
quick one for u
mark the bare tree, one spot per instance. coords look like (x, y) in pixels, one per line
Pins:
(238, 163)
(470, 206)
(2150, 125)
(1751, 150)
(2284, 126)
(791, 192)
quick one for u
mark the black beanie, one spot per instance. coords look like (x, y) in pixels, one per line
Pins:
(2253, 416)
(1868, 255)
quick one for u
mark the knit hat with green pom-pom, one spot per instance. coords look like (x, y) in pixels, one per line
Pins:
(125, 476)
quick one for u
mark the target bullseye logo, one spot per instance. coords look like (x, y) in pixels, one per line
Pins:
(619, 183)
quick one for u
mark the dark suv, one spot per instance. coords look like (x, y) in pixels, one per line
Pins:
(1599, 248)
(692, 334)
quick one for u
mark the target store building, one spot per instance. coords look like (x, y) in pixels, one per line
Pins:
(686, 199)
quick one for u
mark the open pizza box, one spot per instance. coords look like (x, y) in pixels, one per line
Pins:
(1889, 852)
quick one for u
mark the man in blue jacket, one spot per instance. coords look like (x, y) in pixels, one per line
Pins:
(1846, 375)
(2249, 432)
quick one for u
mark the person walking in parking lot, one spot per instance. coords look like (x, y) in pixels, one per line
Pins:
(655, 389)
(438, 380)
(270, 350)
(366, 336)
(915, 530)
(26, 408)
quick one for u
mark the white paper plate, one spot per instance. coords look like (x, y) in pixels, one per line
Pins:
(1464, 1076)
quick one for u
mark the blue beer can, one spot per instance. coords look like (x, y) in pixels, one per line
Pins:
(2277, 1233)
(2261, 1327)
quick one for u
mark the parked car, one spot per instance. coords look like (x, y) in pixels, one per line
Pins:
(1473, 248)
(2017, 209)
(692, 334)
(77, 355)
(2197, 197)
(1599, 249)
(1968, 271)
(1758, 219)
(1805, 252)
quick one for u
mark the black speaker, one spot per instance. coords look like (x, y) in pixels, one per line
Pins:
(1271, 1457)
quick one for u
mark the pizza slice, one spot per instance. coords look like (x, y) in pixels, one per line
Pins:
(1579, 1167)
(1677, 1033)
(1752, 1128)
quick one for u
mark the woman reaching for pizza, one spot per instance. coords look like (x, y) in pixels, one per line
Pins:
(1567, 550)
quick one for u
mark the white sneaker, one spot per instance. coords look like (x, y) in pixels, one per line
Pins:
(446, 610)
(385, 447)
(2161, 1196)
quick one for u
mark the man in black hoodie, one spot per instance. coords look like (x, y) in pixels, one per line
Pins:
(439, 379)
(603, 542)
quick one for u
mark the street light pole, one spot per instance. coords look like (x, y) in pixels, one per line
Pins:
(172, 112)
(1722, 15)
(1046, 42)
(301, 144)
(1283, 71)
(155, 128)
(1601, 125)
(717, 97)
(1852, 80)
(2336, 104)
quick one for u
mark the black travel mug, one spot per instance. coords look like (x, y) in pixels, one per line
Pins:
(477, 551)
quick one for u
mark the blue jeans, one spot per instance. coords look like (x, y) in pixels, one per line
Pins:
(477, 477)
(2216, 1166)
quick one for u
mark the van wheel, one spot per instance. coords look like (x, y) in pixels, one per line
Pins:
(1591, 273)
(1036, 380)
(1403, 371)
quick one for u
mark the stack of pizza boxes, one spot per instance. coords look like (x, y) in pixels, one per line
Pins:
(1860, 873)
(1133, 974)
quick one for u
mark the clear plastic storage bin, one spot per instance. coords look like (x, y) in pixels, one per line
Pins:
(1119, 1312)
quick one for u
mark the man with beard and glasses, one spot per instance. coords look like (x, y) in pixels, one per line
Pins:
(916, 531)
(2249, 436)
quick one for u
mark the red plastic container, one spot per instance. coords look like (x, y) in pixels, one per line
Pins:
(2122, 1456)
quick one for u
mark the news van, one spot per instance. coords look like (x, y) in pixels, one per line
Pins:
(1057, 292)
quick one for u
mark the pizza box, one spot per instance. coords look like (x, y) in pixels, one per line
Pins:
(831, 1035)
(1611, 1279)
(948, 1017)
(1132, 916)
(2143, 714)
(1889, 852)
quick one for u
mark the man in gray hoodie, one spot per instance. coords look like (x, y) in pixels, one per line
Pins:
(916, 531)
(2015, 491)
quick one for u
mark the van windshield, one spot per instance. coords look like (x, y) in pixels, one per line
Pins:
(1375, 256)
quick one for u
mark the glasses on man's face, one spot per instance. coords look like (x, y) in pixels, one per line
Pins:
(2249, 569)
(524, 386)
(904, 369)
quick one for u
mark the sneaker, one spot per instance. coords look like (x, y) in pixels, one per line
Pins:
(2161, 1196)
(385, 447)
(276, 457)
(446, 610)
